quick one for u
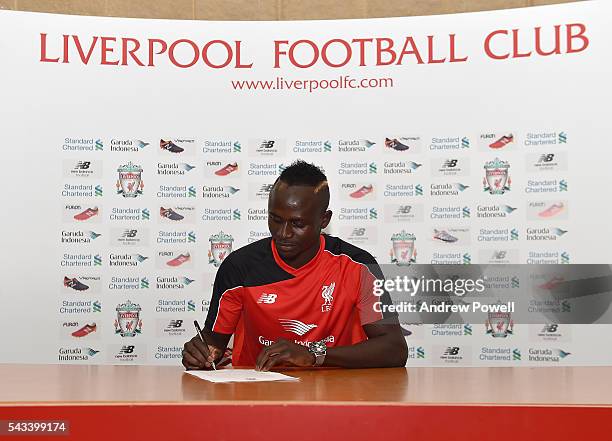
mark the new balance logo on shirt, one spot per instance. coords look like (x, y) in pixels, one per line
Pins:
(267, 298)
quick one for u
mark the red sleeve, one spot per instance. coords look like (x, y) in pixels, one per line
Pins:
(226, 302)
(229, 311)
(368, 300)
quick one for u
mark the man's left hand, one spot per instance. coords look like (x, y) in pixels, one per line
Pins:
(284, 352)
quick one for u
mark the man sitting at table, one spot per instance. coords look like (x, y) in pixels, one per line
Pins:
(299, 298)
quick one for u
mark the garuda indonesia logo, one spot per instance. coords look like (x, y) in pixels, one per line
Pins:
(403, 252)
(220, 247)
(128, 322)
(496, 180)
(130, 183)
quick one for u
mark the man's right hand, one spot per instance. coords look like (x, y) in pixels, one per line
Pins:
(197, 355)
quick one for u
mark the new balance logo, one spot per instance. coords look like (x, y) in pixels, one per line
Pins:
(358, 232)
(547, 157)
(126, 350)
(267, 144)
(267, 298)
(130, 233)
(82, 165)
(550, 328)
(499, 254)
(452, 350)
(450, 163)
(404, 209)
(296, 326)
(175, 324)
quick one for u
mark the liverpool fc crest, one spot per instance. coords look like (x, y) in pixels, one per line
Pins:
(128, 322)
(496, 180)
(220, 247)
(403, 252)
(499, 324)
(130, 182)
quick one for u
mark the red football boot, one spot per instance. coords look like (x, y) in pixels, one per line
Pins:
(229, 168)
(84, 215)
(501, 142)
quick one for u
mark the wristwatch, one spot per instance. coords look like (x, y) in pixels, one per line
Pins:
(319, 349)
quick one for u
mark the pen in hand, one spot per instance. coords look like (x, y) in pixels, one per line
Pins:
(197, 326)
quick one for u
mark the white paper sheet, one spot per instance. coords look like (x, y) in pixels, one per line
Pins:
(240, 376)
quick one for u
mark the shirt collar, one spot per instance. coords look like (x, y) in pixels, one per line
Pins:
(304, 268)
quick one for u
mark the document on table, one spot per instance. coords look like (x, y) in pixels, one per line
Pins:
(240, 376)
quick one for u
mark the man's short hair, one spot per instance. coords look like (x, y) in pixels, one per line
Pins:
(302, 173)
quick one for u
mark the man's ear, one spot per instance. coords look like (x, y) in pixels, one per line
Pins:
(325, 219)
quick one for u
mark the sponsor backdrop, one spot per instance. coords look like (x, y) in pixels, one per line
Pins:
(139, 153)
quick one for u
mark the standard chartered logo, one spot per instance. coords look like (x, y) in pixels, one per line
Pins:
(562, 138)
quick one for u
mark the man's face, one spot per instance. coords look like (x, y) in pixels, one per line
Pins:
(295, 220)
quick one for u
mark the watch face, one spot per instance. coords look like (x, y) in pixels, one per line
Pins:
(318, 347)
